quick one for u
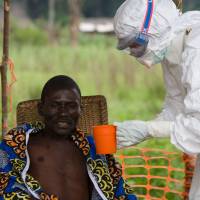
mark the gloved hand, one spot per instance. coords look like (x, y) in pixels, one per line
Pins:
(131, 133)
(135, 131)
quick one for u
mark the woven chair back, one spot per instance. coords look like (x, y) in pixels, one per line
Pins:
(94, 112)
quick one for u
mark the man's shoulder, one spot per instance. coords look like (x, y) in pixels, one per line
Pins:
(36, 126)
(19, 132)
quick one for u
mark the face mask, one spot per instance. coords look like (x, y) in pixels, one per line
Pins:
(151, 58)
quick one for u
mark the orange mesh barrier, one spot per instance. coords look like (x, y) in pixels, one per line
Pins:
(157, 174)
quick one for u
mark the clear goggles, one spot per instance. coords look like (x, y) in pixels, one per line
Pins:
(136, 46)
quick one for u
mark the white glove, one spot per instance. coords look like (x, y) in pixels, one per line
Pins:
(133, 132)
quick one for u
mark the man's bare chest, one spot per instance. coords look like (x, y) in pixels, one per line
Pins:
(59, 167)
(57, 156)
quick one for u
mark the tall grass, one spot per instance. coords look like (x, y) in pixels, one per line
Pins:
(132, 91)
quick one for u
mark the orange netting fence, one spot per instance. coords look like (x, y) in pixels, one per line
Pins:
(157, 174)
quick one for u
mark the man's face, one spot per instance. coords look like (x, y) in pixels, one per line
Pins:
(61, 111)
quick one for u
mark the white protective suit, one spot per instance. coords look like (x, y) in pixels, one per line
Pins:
(174, 40)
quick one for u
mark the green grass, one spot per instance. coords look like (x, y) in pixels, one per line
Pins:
(132, 91)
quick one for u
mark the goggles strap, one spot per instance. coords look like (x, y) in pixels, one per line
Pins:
(148, 17)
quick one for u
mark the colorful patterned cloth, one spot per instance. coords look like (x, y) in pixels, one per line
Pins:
(15, 184)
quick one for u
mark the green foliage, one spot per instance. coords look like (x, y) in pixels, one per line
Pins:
(100, 8)
(29, 35)
(191, 5)
(132, 91)
(37, 8)
(89, 8)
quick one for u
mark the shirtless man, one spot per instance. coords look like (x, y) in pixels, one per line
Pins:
(56, 161)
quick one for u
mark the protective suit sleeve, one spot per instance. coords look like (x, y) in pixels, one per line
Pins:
(133, 132)
(160, 128)
(186, 131)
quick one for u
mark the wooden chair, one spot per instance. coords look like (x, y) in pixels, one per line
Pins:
(153, 174)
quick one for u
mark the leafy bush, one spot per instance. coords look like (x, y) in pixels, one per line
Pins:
(29, 35)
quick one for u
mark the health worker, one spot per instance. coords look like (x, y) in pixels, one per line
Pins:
(155, 31)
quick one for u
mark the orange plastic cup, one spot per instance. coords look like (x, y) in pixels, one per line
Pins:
(105, 139)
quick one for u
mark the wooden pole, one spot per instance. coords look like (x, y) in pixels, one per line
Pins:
(4, 66)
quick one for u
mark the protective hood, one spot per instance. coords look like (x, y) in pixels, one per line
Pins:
(129, 20)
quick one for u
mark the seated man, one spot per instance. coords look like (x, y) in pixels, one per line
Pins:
(57, 155)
